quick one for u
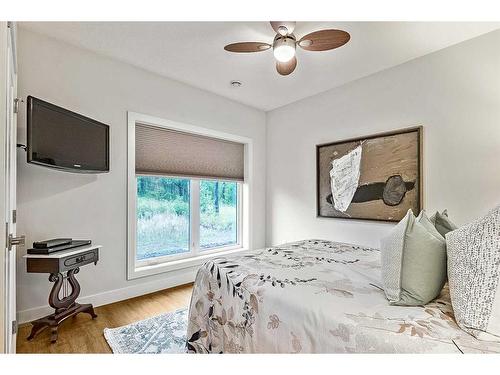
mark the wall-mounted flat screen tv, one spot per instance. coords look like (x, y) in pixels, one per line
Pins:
(62, 139)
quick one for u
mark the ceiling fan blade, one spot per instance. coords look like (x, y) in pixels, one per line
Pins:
(283, 27)
(245, 47)
(285, 68)
(323, 40)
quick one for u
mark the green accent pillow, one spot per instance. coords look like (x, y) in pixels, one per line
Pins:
(442, 222)
(413, 261)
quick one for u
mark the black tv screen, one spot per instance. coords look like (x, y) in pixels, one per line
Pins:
(62, 139)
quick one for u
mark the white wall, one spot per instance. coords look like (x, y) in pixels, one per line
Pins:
(53, 203)
(454, 93)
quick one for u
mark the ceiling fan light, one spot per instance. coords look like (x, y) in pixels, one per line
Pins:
(282, 30)
(284, 49)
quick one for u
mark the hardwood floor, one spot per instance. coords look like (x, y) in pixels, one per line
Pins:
(84, 335)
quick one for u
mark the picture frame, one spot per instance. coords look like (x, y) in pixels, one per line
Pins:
(389, 170)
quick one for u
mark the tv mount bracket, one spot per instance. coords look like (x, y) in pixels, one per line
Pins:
(16, 110)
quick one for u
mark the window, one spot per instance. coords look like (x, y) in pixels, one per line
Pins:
(166, 217)
(218, 214)
(162, 217)
(189, 190)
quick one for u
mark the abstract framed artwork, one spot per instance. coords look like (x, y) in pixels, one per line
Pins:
(377, 177)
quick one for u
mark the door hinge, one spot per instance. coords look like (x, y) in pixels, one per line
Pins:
(14, 216)
(14, 327)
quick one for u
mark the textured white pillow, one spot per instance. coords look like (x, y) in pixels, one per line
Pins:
(474, 275)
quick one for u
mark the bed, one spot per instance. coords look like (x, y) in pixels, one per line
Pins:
(314, 296)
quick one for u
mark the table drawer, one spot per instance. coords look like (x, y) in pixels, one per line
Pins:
(78, 260)
(60, 262)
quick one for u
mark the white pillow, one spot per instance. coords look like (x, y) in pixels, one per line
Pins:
(474, 276)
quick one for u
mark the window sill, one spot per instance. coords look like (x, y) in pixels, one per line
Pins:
(179, 264)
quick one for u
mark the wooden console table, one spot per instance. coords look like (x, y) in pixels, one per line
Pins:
(56, 264)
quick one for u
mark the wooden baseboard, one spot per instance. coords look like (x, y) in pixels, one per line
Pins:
(115, 295)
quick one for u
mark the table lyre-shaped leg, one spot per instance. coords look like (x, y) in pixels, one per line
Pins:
(60, 304)
(64, 307)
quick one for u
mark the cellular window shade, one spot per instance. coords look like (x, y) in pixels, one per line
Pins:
(169, 152)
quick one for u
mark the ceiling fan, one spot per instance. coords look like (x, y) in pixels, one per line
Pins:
(285, 43)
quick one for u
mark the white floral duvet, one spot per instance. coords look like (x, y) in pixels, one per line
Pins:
(314, 296)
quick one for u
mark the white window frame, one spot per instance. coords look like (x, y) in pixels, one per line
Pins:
(196, 256)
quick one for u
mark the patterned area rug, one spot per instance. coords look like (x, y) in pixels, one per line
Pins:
(165, 333)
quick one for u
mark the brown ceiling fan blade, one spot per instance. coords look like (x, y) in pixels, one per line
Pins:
(285, 68)
(323, 40)
(278, 27)
(245, 47)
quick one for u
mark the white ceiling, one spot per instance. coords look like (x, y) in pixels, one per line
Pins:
(192, 52)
